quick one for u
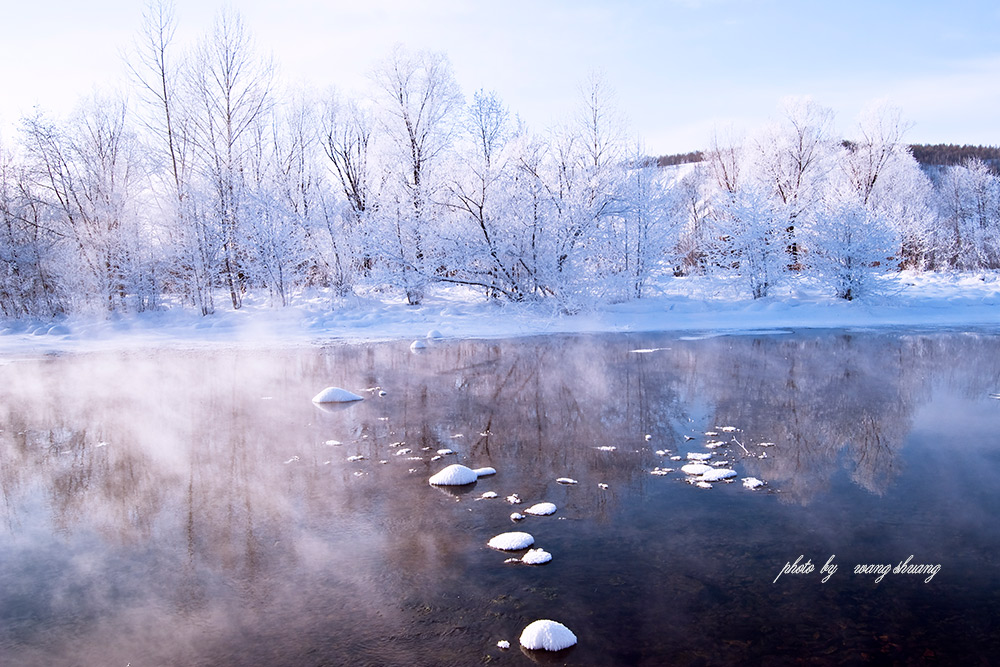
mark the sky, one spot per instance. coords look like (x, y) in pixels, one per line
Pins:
(681, 69)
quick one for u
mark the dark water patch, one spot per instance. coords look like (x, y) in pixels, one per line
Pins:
(195, 508)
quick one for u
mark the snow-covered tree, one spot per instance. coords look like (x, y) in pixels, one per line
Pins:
(752, 238)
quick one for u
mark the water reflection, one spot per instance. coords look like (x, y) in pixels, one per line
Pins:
(197, 508)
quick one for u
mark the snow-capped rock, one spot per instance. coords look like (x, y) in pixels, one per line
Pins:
(536, 557)
(541, 509)
(336, 395)
(696, 469)
(454, 475)
(547, 635)
(752, 483)
(717, 475)
(511, 541)
(484, 472)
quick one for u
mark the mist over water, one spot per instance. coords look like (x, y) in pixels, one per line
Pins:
(195, 508)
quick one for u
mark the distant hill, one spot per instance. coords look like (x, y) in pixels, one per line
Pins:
(945, 155)
(928, 155)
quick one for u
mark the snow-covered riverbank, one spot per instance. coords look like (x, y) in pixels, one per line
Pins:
(697, 306)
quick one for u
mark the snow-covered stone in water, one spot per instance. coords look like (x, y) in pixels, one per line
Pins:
(333, 443)
(418, 345)
(445, 452)
(454, 475)
(606, 448)
(728, 429)
(696, 469)
(547, 635)
(503, 644)
(436, 458)
(602, 486)
(699, 456)
(511, 541)
(489, 495)
(717, 475)
(752, 483)
(434, 334)
(714, 444)
(484, 472)
(356, 457)
(517, 516)
(513, 499)
(536, 557)
(662, 452)
(404, 450)
(648, 437)
(711, 434)
(703, 485)
(382, 393)
(336, 395)
(660, 472)
(541, 509)
(765, 444)
(675, 458)
(567, 480)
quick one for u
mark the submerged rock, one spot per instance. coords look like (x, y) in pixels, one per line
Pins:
(547, 635)
(454, 475)
(336, 395)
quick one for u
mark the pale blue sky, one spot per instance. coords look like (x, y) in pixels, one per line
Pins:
(680, 67)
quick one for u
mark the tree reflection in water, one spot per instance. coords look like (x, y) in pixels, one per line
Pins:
(188, 507)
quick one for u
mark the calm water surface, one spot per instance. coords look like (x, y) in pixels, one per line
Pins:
(195, 508)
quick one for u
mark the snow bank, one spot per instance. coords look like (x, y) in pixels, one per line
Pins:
(511, 541)
(336, 395)
(703, 304)
(547, 635)
(454, 475)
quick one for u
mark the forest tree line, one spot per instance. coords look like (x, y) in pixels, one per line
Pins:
(207, 180)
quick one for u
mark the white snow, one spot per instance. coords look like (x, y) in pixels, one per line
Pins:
(445, 452)
(434, 334)
(356, 457)
(698, 304)
(696, 469)
(513, 499)
(516, 516)
(547, 635)
(484, 472)
(536, 557)
(567, 480)
(698, 456)
(541, 509)
(717, 475)
(511, 541)
(752, 483)
(454, 475)
(336, 395)
(503, 644)
(606, 448)
(489, 495)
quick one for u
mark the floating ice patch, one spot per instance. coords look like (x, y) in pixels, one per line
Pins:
(717, 475)
(541, 509)
(336, 395)
(484, 472)
(547, 635)
(511, 541)
(445, 452)
(536, 557)
(699, 456)
(356, 457)
(752, 483)
(696, 469)
(606, 448)
(454, 475)
(567, 480)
